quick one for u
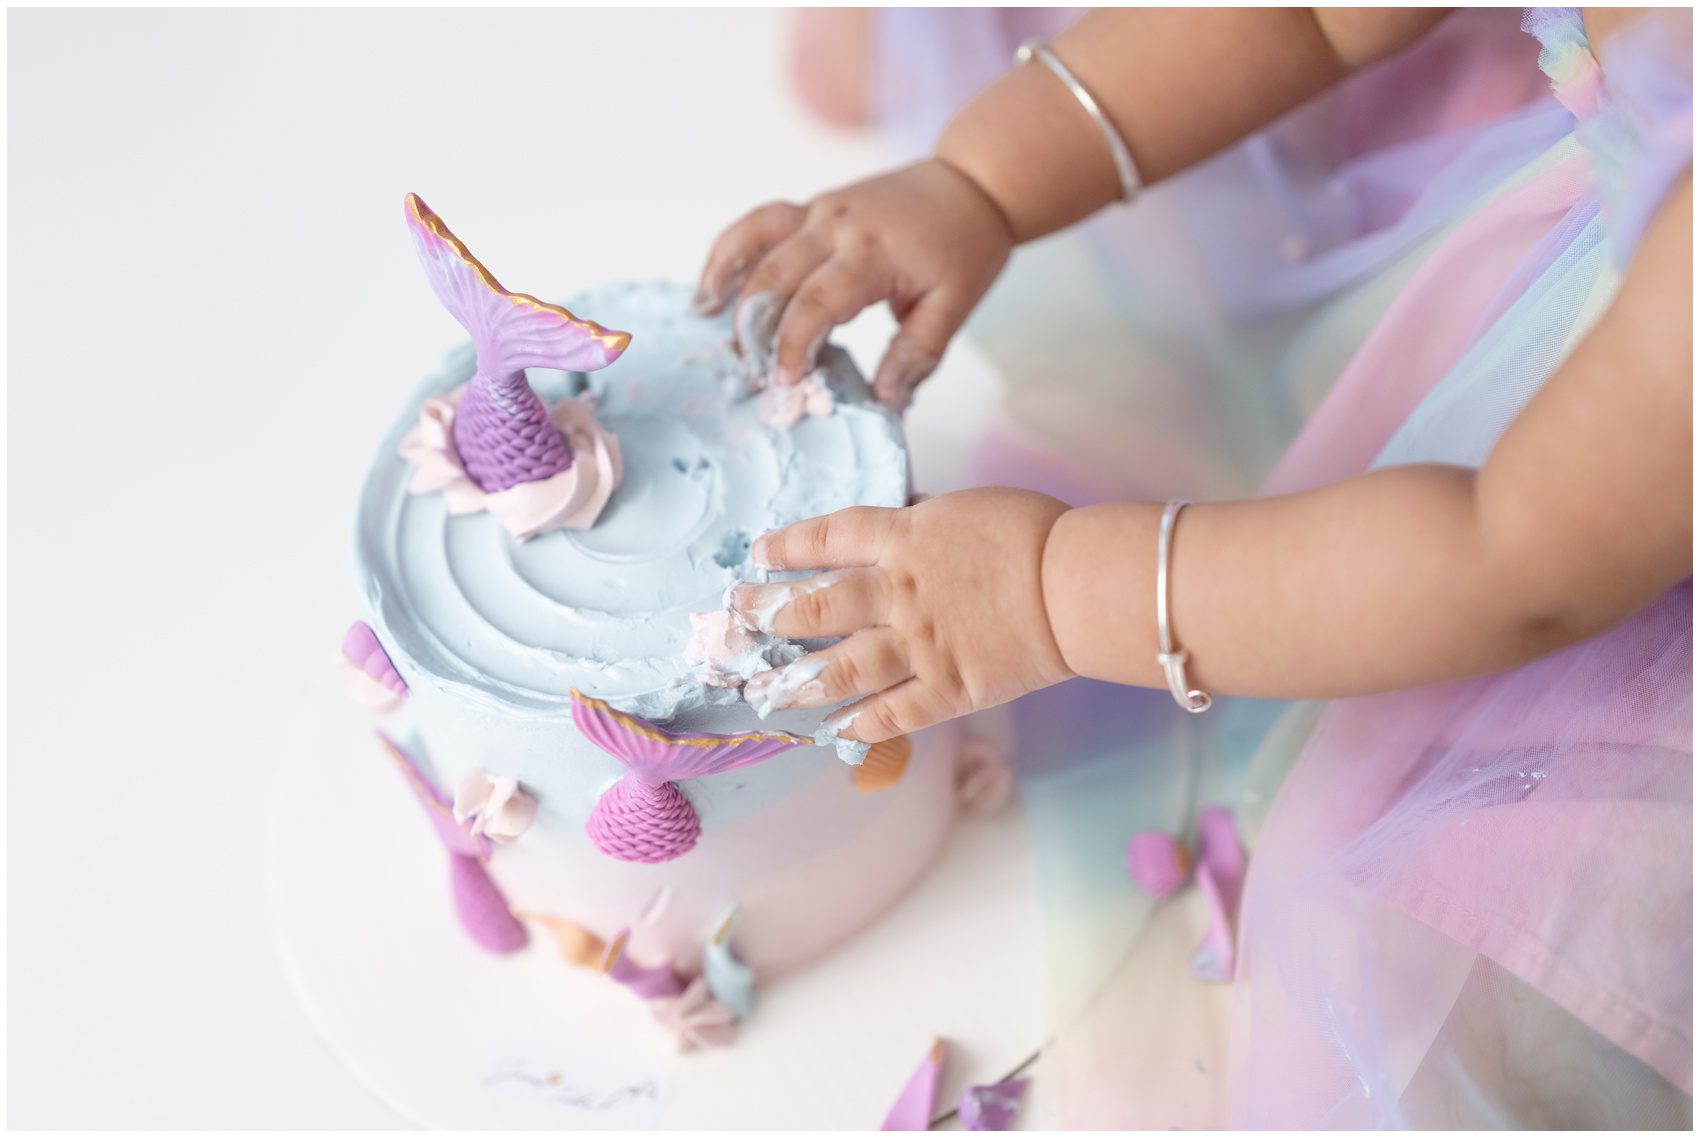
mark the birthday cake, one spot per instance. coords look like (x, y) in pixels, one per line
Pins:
(545, 547)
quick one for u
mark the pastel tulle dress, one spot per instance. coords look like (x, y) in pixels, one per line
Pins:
(1467, 905)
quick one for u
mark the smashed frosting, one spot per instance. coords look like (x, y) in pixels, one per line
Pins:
(729, 652)
(828, 734)
(785, 407)
(780, 688)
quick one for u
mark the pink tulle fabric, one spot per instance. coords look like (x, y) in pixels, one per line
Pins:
(1535, 825)
(1468, 905)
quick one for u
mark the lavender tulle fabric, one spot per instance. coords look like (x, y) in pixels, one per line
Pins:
(1468, 905)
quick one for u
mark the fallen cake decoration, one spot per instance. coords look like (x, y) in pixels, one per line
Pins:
(1221, 877)
(1160, 863)
(991, 1107)
(492, 445)
(913, 1109)
(645, 817)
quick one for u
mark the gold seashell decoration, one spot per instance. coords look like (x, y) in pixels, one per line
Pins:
(578, 945)
(884, 765)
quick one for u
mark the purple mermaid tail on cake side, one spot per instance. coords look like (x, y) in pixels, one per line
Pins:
(645, 817)
(482, 909)
(493, 445)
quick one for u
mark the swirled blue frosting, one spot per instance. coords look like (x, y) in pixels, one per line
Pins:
(518, 625)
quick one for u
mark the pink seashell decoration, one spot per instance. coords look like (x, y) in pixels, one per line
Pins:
(645, 817)
(695, 1018)
(1159, 862)
(378, 685)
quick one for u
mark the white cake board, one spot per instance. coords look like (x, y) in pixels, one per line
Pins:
(452, 1037)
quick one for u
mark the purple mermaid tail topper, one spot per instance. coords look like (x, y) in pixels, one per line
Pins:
(645, 817)
(502, 431)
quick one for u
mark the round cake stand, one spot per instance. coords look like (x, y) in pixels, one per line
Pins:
(452, 1037)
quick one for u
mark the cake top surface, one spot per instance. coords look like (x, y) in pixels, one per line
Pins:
(606, 609)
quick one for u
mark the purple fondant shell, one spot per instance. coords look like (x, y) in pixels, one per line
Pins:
(361, 648)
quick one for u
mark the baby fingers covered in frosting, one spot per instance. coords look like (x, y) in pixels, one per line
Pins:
(870, 661)
(941, 606)
(831, 604)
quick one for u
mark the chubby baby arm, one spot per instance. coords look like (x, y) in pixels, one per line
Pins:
(1411, 575)
(1023, 159)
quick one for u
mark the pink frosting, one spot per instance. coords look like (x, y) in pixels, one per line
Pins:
(785, 407)
(497, 806)
(695, 1017)
(717, 640)
(572, 499)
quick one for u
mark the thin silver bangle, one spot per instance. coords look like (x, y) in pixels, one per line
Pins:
(1171, 658)
(1119, 153)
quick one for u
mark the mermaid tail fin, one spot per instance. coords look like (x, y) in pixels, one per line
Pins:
(644, 817)
(482, 909)
(501, 429)
(654, 756)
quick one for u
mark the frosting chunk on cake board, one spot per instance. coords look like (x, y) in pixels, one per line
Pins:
(545, 544)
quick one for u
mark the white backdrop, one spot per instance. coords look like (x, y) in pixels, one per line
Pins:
(214, 313)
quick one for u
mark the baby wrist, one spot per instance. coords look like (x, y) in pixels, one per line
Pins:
(976, 187)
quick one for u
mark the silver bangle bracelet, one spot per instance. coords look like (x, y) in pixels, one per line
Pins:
(1119, 153)
(1171, 658)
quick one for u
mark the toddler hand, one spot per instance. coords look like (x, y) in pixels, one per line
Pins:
(941, 605)
(925, 238)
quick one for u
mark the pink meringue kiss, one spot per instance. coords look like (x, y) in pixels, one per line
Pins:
(496, 806)
(572, 499)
